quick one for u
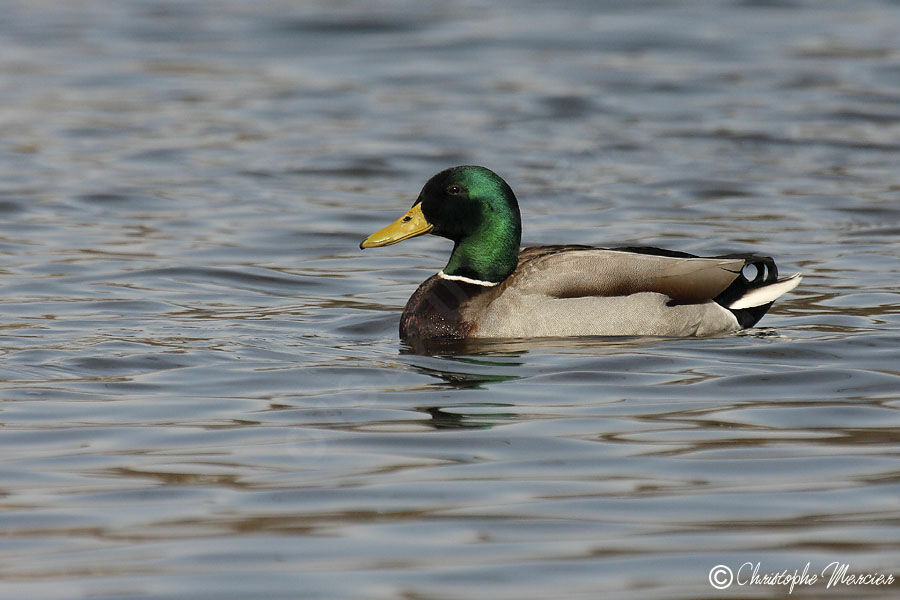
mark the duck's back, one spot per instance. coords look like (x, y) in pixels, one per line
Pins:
(583, 271)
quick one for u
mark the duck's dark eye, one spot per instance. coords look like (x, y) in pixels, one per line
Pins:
(407, 219)
(454, 189)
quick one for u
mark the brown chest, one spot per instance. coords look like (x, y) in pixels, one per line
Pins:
(442, 308)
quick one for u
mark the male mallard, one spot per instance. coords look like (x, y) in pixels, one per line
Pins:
(492, 289)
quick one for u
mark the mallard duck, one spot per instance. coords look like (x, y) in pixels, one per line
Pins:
(491, 288)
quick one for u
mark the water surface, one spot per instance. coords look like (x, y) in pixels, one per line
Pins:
(203, 391)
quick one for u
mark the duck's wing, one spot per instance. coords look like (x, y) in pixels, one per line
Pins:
(580, 271)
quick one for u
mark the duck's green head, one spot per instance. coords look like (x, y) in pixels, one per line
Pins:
(476, 209)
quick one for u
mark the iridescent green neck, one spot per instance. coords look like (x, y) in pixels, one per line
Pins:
(491, 253)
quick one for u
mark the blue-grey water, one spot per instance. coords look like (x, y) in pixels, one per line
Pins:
(203, 393)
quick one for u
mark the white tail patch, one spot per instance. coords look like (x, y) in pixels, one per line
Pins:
(767, 293)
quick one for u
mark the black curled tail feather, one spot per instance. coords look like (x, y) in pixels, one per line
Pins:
(766, 273)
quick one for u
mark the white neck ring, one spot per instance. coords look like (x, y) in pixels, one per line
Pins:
(443, 275)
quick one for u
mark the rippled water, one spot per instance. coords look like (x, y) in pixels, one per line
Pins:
(203, 391)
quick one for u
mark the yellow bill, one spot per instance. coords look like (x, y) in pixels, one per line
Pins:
(411, 224)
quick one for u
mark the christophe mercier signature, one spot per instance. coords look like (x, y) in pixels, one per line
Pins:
(834, 574)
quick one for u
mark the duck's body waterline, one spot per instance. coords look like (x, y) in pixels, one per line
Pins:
(491, 289)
